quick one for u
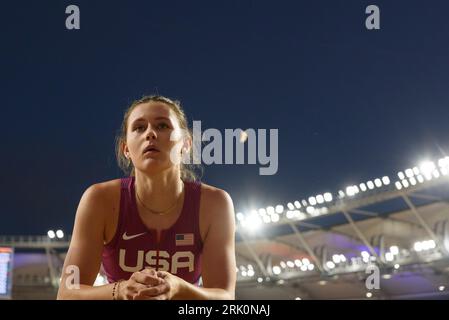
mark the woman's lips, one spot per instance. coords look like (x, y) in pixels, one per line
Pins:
(153, 151)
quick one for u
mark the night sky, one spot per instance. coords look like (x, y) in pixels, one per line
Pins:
(350, 104)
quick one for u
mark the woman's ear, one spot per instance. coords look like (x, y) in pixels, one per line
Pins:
(126, 151)
(187, 145)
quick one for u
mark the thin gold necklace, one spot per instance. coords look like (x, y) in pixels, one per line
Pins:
(160, 213)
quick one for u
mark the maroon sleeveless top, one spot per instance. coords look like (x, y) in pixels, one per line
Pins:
(135, 247)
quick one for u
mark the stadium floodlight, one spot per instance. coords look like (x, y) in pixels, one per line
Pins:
(266, 219)
(310, 267)
(283, 264)
(336, 258)
(275, 217)
(441, 288)
(417, 246)
(350, 191)
(51, 234)
(394, 250)
(369, 294)
(322, 282)
(297, 298)
(290, 264)
(244, 273)
(435, 173)
(389, 256)
(342, 258)
(405, 183)
(443, 162)
(253, 222)
(270, 210)
(310, 210)
(386, 276)
(341, 194)
(304, 267)
(250, 273)
(409, 173)
(276, 270)
(420, 178)
(444, 171)
(297, 204)
(279, 208)
(378, 182)
(386, 180)
(320, 198)
(427, 167)
(290, 206)
(304, 203)
(365, 256)
(363, 187)
(290, 214)
(240, 216)
(397, 266)
(305, 261)
(398, 185)
(416, 171)
(430, 244)
(328, 197)
(330, 264)
(298, 262)
(262, 211)
(370, 185)
(59, 234)
(312, 201)
(259, 279)
(401, 175)
(299, 215)
(356, 189)
(412, 181)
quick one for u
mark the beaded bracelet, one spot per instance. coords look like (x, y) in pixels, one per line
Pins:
(115, 289)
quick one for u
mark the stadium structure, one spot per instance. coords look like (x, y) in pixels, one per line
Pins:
(387, 238)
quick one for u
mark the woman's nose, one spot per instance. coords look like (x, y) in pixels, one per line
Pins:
(151, 134)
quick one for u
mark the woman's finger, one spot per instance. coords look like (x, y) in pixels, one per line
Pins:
(146, 279)
(154, 291)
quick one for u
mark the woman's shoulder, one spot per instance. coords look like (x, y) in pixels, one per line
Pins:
(214, 196)
(105, 191)
(217, 209)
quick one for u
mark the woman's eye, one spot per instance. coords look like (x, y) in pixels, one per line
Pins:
(139, 128)
(162, 126)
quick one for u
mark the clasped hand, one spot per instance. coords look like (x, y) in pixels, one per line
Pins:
(149, 284)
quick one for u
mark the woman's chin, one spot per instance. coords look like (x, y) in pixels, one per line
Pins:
(155, 166)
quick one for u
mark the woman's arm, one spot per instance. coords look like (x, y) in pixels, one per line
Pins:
(83, 259)
(218, 258)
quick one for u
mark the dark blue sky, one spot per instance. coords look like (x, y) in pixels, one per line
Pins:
(350, 104)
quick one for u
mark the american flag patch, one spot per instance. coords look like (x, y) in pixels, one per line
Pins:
(184, 239)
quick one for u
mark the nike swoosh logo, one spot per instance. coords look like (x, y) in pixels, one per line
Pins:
(126, 237)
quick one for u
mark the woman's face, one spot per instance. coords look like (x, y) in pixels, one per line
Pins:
(151, 141)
